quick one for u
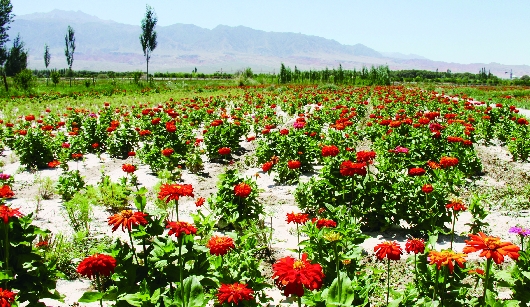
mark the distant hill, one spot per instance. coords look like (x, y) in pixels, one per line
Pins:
(108, 45)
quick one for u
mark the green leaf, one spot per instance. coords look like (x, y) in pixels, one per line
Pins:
(90, 297)
(6, 275)
(193, 293)
(135, 299)
(347, 294)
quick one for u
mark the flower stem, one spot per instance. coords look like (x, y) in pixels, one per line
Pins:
(486, 278)
(453, 230)
(181, 280)
(6, 243)
(177, 208)
(436, 284)
(337, 263)
(415, 268)
(387, 280)
(299, 301)
(132, 247)
(98, 284)
(298, 245)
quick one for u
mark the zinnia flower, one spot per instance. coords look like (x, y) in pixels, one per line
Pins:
(200, 201)
(6, 212)
(97, 265)
(291, 275)
(126, 218)
(427, 188)
(456, 205)
(180, 228)
(491, 247)
(348, 168)
(220, 245)
(446, 258)
(242, 190)
(415, 245)
(326, 223)
(6, 298)
(294, 164)
(234, 293)
(297, 218)
(167, 152)
(174, 191)
(6, 192)
(388, 249)
(366, 156)
(330, 151)
(519, 231)
(416, 171)
(53, 164)
(267, 166)
(446, 162)
(128, 168)
(224, 151)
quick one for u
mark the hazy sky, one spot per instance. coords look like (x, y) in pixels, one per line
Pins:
(463, 31)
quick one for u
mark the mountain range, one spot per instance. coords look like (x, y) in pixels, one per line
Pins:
(103, 45)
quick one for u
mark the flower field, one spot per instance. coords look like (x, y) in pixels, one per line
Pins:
(265, 196)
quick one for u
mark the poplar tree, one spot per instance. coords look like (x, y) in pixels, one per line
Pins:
(6, 17)
(69, 40)
(148, 36)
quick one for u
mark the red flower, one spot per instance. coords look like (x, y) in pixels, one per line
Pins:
(293, 275)
(97, 265)
(131, 154)
(522, 121)
(427, 188)
(446, 162)
(348, 168)
(388, 249)
(491, 247)
(456, 205)
(454, 139)
(77, 156)
(220, 245)
(267, 166)
(326, 223)
(297, 218)
(224, 151)
(284, 132)
(365, 156)
(128, 168)
(170, 127)
(174, 191)
(234, 293)
(200, 201)
(294, 164)
(416, 171)
(126, 218)
(415, 245)
(330, 151)
(6, 192)
(446, 258)
(167, 152)
(7, 212)
(242, 190)
(6, 298)
(180, 228)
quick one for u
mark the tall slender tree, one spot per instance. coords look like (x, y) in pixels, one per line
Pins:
(47, 57)
(6, 17)
(69, 40)
(148, 36)
(17, 58)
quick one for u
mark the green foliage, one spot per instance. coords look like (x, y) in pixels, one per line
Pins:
(79, 211)
(24, 79)
(56, 77)
(34, 149)
(121, 141)
(69, 183)
(148, 36)
(111, 195)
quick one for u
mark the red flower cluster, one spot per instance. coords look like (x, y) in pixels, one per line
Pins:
(366, 156)
(348, 168)
(6, 192)
(297, 218)
(293, 275)
(294, 164)
(415, 245)
(220, 245)
(167, 152)
(388, 249)
(7, 212)
(224, 151)
(446, 162)
(330, 151)
(242, 190)
(234, 293)
(126, 218)
(128, 168)
(267, 166)
(416, 171)
(491, 247)
(97, 265)
(325, 223)
(180, 228)
(174, 191)
(6, 298)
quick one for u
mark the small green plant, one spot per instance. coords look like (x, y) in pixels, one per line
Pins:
(56, 77)
(111, 195)
(78, 211)
(45, 187)
(24, 79)
(69, 183)
(33, 147)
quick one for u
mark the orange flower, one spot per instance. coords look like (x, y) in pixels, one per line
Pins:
(220, 245)
(491, 247)
(297, 218)
(433, 165)
(446, 162)
(180, 228)
(126, 218)
(6, 192)
(234, 293)
(242, 190)
(293, 275)
(7, 212)
(446, 258)
(200, 201)
(330, 151)
(294, 164)
(388, 249)
(266, 166)
(456, 205)
(174, 191)
(97, 265)
(53, 164)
